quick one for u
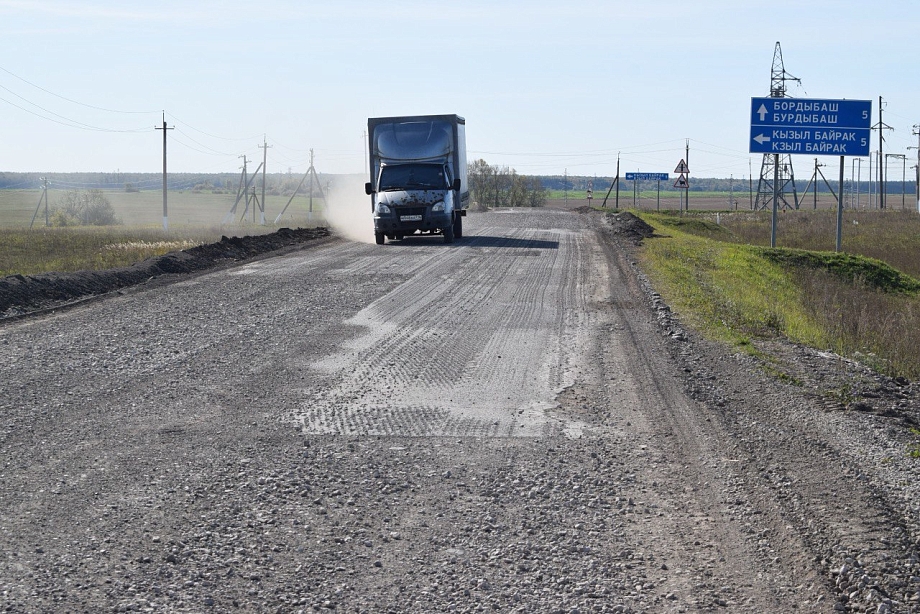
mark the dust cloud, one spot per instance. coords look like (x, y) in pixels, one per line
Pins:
(348, 209)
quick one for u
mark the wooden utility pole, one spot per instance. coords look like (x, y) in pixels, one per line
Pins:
(882, 126)
(44, 196)
(916, 133)
(264, 146)
(687, 160)
(165, 215)
(242, 191)
(312, 173)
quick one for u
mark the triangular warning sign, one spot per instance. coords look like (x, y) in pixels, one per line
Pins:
(682, 182)
(682, 168)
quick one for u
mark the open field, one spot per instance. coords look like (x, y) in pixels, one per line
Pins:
(193, 219)
(145, 208)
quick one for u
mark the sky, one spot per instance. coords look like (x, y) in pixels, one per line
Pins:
(546, 87)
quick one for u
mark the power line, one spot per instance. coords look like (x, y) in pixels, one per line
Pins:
(213, 136)
(82, 104)
(70, 123)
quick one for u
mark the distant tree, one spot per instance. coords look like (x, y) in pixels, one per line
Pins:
(536, 193)
(84, 208)
(502, 187)
(479, 175)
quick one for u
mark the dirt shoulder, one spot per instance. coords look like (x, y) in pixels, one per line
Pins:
(826, 450)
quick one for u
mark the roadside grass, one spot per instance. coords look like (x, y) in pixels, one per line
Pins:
(892, 236)
(731, 290)
(194, 218)
(89, 248)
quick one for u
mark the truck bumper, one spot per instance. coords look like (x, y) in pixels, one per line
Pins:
(398, 224)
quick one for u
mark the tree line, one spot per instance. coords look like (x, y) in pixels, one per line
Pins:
(501, 186)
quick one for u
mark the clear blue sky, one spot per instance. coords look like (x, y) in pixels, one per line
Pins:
(545, 86)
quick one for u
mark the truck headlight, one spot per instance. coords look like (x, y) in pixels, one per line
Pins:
(382, 209)
(438, 207)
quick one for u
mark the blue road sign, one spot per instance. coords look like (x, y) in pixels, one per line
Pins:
(646, 176)
(810, 126)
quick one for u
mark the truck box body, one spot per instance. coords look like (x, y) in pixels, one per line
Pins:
(418, 180)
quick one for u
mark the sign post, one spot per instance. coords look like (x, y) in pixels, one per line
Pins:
(682, 183)
(810, 126)
(648, 177)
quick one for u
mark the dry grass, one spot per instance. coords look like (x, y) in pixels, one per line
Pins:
(892, 236)
(89, 248)
(864, 303)
(880, 328)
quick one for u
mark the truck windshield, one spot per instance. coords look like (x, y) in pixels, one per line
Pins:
(413, 177)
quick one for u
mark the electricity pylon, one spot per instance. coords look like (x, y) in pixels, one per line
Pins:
(779, 166)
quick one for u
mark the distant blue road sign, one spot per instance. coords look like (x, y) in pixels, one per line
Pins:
(646, 176)
(810, 126)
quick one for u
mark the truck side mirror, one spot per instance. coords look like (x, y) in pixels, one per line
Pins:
(456, 185)
(368, 188)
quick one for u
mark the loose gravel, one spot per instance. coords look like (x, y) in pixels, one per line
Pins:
(155, 457)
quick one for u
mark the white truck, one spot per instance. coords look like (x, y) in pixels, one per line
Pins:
(417, 176)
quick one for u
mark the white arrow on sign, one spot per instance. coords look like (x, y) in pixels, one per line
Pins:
(762, 139)
(762, 111)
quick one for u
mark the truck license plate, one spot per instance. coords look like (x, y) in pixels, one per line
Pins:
(410, 218)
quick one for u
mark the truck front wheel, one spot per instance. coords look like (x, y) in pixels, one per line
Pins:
(458, 225)
(378, 236)
(449, 233)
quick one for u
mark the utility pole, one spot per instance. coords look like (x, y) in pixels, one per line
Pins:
(264, 146)
(881, 126)
(165, 216)
(44, 196)
(616, 182)
(731, 192)
(750, 186)
(687, 160)
(858, 179)
(903, 159)
(852, 178)
(312, 175)
(815, 179)
(871, 204)
(565, 187)
(916, 133)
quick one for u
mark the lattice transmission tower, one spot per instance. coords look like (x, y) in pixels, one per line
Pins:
(785, 177)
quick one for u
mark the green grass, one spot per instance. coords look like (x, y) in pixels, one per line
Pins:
(736, 292)
(730, 291)
(851, 268)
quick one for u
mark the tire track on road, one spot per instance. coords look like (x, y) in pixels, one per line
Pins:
(472, 344)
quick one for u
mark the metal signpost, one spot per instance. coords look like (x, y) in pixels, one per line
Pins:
(810, 126)
(683, 183)
(658, 177)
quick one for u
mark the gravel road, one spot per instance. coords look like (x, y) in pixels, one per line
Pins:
(515, 422)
